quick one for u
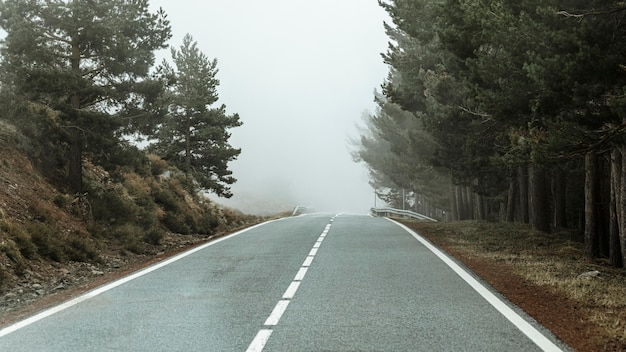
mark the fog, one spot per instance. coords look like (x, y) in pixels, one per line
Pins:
(300, 74)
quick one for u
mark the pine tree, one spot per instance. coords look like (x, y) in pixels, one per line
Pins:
(82, 59)
(194, 134)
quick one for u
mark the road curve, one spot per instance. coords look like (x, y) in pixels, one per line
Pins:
(317, 282)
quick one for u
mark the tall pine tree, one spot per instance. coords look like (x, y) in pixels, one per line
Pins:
(194, 134)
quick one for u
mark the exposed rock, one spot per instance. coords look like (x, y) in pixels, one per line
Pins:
(589, 275)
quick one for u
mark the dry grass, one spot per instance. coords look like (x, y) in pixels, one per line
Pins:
(553, 261)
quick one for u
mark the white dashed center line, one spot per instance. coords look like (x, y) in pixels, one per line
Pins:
(291, 290)
(308, 261)
(302, 272)
(264, 334)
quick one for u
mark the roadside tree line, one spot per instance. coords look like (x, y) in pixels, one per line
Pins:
(506, 110)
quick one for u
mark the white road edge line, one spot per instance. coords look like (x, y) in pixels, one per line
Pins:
(91, 294)
(260, 340)
(277, 313)
(525, 327)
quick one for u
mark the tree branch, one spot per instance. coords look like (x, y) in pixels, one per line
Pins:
(474, 113)
(592, 13)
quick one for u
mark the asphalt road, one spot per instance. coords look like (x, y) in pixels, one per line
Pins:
(310, 283)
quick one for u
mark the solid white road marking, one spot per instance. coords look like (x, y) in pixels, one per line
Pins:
(259, 341)
(291, 290)
(525, 327)
(300, 274)
(278, 311)
(91, 294)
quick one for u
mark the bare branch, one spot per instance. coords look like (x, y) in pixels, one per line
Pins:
(592, 13)
(475, 113)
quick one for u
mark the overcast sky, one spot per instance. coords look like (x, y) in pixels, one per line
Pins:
(300, 74)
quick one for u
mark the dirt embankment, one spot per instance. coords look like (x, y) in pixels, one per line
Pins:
(49, 250)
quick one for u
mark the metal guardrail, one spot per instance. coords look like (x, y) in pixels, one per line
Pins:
(390, 212)
(300, 209)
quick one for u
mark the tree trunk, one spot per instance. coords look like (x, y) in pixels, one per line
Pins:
(539, 207)
(469, 203)
(75, 162)
(454, 203)
(523, 194)
(459, 202)
(188, 142)
(591, 236)
(603, 201)
(511, 199)
(559, 182)
(615, 220)
(621, 207)
(480, 207)
(477, 201)
(75, 157)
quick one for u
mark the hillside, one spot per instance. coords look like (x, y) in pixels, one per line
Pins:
(53, 244)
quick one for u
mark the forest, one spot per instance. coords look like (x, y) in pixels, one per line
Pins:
(505, 110)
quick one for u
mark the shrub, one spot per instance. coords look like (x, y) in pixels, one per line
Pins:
(157, 165)
(61, 200)
(80, 250)
(129, 237)
(154, 236)
(10, 250)
(110, 207)
(176, 223)
(47, 240)
(20, 238)
(44, 212)
(167, 199)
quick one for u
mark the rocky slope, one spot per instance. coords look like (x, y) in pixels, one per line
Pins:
(51, 247)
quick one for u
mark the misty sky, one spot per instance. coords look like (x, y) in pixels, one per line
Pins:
(300, 74)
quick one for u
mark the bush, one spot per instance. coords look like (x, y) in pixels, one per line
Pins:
(47, 240)
(167, 199)
(10, 250)
(157, 165)
(176, 223)
(61, 200)
(20, 238)
(80, 250)
(154, 236)
(44, 212)
(112, 208)
(129, 237)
